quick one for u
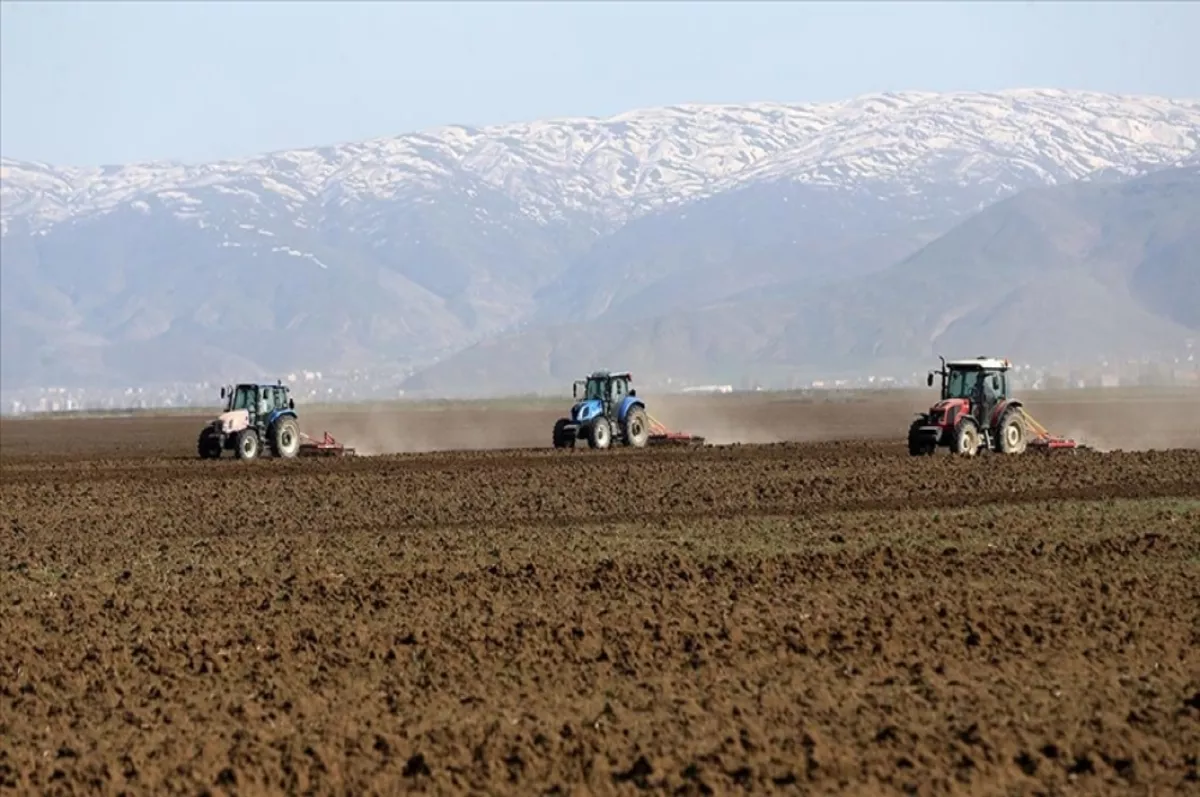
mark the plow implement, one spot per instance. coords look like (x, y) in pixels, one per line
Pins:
(325, 447)
(1041, 440)
(662, 436)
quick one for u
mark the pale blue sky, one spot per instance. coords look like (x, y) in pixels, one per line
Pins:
(98, 83)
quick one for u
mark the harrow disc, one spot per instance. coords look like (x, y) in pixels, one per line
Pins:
(662, 436)
(327, 446)
(1045, 442)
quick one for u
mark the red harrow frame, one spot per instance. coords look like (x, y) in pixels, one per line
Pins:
(662, 436)
(325, 447)
(1042, 440)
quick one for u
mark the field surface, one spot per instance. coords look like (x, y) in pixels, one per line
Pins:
(796, 615)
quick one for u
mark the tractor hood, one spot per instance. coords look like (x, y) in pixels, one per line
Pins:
(232, 421)
(948, 411)
(585, 410)
(946, 404)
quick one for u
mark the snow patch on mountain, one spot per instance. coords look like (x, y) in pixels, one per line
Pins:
(631, 164)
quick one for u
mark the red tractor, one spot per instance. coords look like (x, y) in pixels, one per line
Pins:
(977, 412)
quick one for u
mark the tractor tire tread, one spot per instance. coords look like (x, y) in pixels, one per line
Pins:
(276, 436)
(636, 431)
(563, 438)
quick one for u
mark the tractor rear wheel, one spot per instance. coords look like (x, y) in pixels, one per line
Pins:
(966, 437)
(637, 430)
(1011, 438)
(563, 437)
(209, 445)
(247, 444)
(600, 433)
(285, 438)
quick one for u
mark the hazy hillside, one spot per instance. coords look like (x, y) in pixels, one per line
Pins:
(402, 251)
(1051, 275)
(753, 237)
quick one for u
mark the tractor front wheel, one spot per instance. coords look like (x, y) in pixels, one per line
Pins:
(247, 444)
(285, 438)
(637, 430)
(563, 437)
(600, 433)
(1012, 438)
(209, 445)
(966, 438)
(918, 446)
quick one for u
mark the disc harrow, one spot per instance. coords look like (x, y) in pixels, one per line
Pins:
(1042, 440)
(660, 435)
(327, 446)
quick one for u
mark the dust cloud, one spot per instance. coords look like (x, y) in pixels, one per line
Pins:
(382, 430)
(719, 422)
(1132, 424)
(1099, 422)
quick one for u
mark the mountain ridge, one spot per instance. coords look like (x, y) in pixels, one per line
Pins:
(400, 251)
(800, 133)
(1053, 275)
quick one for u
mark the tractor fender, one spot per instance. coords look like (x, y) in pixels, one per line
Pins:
(628, 403)
(1000, 409)
(277, 414)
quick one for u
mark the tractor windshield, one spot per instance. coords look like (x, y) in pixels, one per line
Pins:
(597, 389)
(961, 384)
(242, 398)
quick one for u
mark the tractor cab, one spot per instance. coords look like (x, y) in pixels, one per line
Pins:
(604, 387)
(981, 383)
(257, 400)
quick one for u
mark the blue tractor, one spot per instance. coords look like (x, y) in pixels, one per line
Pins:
(255, 417)
(606, 408)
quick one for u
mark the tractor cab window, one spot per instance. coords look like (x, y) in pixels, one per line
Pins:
(596, 389)
(961, 384)
(619, 389)
(242, 398)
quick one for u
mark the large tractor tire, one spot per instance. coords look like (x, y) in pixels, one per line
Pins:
(248, 444)
(637, 428)
(917, 445)
(285, 438)
(1011, 435)
(563, 437)
(209, 445)
(966, 437)
(600, 433)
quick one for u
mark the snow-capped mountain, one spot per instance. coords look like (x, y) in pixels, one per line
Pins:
(411, 247)
(633, 163)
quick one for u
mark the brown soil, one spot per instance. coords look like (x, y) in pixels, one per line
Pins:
(800, 617)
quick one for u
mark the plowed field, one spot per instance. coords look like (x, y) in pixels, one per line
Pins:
(806, 618)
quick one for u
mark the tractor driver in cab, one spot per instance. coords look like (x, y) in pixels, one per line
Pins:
(983, 397)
